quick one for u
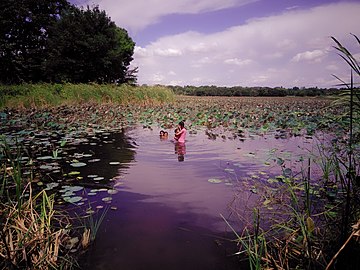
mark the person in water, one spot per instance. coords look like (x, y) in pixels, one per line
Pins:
(180, 133)
(163, 135)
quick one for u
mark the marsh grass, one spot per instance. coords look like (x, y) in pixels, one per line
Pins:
(45, 95)
(30, 237)
(34, 233)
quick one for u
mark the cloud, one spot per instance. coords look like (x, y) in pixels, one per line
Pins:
(310, 56)
(237, 61)
(168, 52)
(289, 49)
(136, 15)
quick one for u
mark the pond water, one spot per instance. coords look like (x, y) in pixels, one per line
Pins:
(168, 199)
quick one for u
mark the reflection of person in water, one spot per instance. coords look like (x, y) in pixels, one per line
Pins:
(180, 150)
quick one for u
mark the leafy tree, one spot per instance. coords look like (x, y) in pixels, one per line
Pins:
(86, 46)
(24, 28)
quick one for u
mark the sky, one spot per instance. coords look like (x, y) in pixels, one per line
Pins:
(274, 43)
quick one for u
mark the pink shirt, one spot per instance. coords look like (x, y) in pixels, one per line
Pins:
(182, 135)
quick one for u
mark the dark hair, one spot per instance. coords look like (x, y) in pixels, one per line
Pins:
(181, 124)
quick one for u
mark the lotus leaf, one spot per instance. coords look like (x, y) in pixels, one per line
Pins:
(77, 164)
(214, 180)
(72, 199)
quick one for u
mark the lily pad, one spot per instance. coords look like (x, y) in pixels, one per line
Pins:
(229, 170)
(214, 180)
(74, 173)
(114, 163)
(107, 199)
(73, 199)
(112, 191)
(44, 158)
(50, 186)
(77, 164)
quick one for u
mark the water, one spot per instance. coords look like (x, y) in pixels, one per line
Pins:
(168, 214)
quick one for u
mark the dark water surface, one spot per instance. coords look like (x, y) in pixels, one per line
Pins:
(168, 213)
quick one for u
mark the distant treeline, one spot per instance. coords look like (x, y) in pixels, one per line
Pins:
(252, 91)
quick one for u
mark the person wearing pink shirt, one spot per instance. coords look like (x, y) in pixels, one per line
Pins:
(180, 134)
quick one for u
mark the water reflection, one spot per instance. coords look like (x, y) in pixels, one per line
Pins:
(180, 150)
(164, 209)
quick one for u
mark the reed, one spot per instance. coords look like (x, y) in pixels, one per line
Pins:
(34, 234)
(45, 95)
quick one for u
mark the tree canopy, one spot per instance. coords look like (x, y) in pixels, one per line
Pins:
(54, 41)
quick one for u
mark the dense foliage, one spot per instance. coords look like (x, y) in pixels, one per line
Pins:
(252, 91)
(53, 41)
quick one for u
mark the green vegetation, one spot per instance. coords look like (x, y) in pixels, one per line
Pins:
(45, 95)
(53, 41)
(34, 234)
(253, 91)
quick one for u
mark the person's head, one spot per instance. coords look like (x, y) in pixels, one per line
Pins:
(166, 134)
(162, 133)
(181, 125)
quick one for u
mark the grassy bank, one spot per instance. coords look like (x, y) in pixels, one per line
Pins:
(45, 95)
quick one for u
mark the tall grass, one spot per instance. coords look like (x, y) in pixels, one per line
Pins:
(44, 95)
(33, 233)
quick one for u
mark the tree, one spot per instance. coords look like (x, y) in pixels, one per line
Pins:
(86, 46)
(24, 28)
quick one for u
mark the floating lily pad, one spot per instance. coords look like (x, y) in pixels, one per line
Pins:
(229, 170)
(92, 175)
(68, 194)
(72, 199)
(75, 188)
(94, 160)
(287, 172)
(98, 178)
(114, 163)
(74, 173)
(214, 180)
(50, 186)
(112, 191)
(107, 199)
(46, 167)
(44, 158)
(77, 164)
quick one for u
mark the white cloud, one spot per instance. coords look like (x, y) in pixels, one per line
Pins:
(168, 52)
(310, 56)
(135, 15)
(290, 49)
(237, 61)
